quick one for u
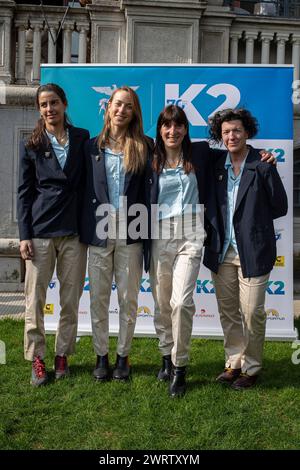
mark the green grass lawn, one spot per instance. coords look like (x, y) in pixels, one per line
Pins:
(78, 413)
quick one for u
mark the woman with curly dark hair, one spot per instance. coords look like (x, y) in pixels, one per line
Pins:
(250, 195)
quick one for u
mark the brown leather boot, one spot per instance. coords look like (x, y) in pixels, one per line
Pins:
(228, 376)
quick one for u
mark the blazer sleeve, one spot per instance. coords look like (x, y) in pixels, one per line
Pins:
(276, 192)
(26, 193)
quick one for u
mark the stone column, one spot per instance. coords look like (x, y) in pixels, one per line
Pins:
(265, 47)
(52, 36)
(250, 38)
(6, 15)
(82, 44)
(281, 39)
(234, 47)
(296, 56)
(36, 59)
(21, 64)
(67, 38)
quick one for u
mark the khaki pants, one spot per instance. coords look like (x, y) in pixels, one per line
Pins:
(175, 264)
(126, 263)
(70, 258)
(242, 314)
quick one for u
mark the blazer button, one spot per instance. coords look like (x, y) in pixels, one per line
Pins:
(94, 200)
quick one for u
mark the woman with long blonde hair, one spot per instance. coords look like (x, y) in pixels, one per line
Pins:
(116, 162)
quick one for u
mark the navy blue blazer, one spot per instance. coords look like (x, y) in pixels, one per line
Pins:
(261, 198)
(96, 193)
(202, 157)
(49, 197)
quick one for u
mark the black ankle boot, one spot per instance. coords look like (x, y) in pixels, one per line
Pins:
(165, 371)
(101, 371)
(122, 368)
(177, 382)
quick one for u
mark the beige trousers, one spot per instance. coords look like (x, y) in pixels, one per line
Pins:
(175, 264)
(70, 258)
(125, 262)
(242, 314)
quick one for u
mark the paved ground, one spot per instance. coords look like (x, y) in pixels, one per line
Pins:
(12, 305)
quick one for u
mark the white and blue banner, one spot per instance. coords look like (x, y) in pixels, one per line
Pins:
(200, 90)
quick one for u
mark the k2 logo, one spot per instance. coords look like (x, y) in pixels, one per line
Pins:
(279, 154)
(172, 96)
(275, 288)
(204, 287)
(86, 284)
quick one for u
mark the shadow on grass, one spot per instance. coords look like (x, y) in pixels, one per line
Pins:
(137, 369)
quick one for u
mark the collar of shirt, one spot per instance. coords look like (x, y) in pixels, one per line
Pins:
(109, 151)
(228, 163)
(54, 140)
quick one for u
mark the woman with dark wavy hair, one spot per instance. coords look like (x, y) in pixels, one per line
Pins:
(250, 195)
(49, 201)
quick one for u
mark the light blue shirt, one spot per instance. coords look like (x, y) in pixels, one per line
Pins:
(233, 183)
(60, 151)
(178, 193)
(115, 175)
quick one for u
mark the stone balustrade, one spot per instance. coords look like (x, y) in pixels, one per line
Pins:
(140, 31)
(265, 40)
(34, 35)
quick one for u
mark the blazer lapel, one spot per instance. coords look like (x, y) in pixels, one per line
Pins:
(221, 188)
(74, 141)
(47, 154)
(128, 177)
(247, 177)
(153, 180)
(99, 175)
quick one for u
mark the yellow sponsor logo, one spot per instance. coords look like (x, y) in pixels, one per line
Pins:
(144, 311)
(279, 261)
(49, 309)
(272, 312)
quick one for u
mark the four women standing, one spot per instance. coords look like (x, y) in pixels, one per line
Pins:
(120, 170)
